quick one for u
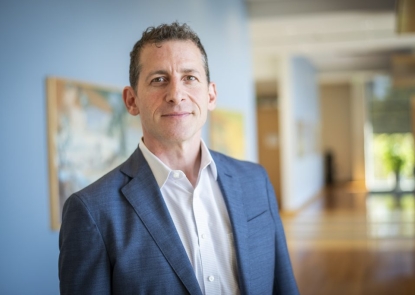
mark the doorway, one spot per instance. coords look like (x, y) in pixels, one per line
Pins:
(269, 134)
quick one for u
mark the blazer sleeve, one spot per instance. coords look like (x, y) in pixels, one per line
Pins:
(84, 266)
(284, 281)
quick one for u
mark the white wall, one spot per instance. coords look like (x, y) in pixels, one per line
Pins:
(301, 158)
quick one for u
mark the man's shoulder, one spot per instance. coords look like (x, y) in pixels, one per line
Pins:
(114, 180)
(106, 186)
(239, 166)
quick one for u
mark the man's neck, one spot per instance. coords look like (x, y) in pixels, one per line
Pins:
(184, 156)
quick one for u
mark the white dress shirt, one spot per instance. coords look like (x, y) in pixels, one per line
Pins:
(202, 221)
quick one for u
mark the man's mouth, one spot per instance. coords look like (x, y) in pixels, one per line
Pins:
(177, 114)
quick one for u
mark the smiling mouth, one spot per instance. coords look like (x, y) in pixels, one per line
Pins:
(177, 114)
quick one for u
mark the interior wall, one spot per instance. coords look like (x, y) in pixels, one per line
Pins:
(358, 126)
(336, 127)
(88, 41)
(302, 170)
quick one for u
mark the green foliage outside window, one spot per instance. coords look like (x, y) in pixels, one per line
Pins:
(393, 153)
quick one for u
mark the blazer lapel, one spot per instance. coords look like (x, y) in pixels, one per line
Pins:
(232, 193)
(144, 195)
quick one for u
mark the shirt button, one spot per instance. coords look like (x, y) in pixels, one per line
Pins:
(211, 278)
(203, 236)
(176, 174)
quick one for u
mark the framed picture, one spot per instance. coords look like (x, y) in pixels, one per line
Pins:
(227, 133)
(89, 133)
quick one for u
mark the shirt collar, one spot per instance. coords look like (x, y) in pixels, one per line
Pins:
(161, 171)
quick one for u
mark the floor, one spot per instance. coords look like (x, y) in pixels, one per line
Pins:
(351, 242)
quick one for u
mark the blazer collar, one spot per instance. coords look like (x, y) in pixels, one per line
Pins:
(145, 197)
(233, 194)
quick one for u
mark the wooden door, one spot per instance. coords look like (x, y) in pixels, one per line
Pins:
(269, 146)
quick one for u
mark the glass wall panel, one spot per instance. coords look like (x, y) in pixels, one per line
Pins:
(389, 137)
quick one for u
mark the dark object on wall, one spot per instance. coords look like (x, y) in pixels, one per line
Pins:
(329, 167)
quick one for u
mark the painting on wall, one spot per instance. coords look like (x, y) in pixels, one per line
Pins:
(308, 138)
(227, 133)
(89, 133)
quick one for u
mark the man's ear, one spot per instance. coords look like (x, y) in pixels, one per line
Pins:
(212, 96)
(129, 97)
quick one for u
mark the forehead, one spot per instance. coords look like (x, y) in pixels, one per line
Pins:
(172, 51)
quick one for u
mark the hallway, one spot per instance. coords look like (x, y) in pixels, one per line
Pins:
(350, 242)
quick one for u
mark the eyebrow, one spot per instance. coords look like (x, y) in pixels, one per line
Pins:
(164, 72)
(187, 71)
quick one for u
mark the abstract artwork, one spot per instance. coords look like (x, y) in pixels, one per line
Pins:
(89, 133)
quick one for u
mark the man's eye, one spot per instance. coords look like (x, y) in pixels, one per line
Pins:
(158, 80)
(191, 78)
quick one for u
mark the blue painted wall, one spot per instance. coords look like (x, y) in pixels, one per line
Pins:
(308, 171)
(90, 41)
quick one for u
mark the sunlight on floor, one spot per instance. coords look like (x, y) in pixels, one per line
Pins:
(351, 242)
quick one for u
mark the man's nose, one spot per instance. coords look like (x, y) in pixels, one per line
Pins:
(175, 93)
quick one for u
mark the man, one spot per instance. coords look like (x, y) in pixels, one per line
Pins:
(175, 218)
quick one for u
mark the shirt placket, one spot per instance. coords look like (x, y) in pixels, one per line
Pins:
(211, 279)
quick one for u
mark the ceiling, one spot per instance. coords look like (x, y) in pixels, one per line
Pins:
(340, 37)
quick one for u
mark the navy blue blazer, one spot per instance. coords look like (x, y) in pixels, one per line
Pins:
(117, 236)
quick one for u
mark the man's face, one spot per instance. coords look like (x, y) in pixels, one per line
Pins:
(173, 95)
